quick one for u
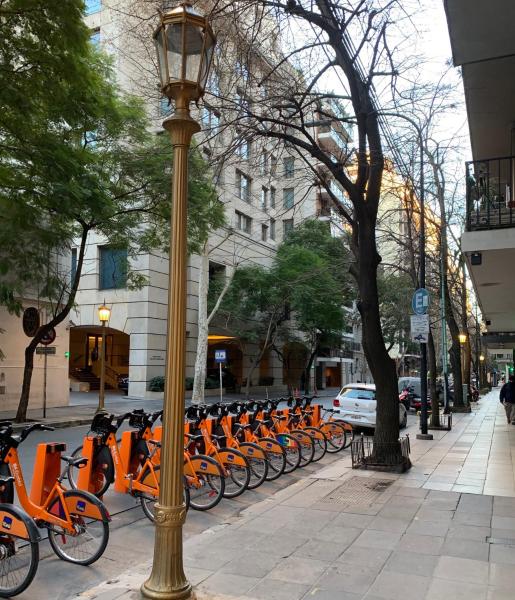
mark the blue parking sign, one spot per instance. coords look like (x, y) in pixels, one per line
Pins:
(420, 301)
(220, 356)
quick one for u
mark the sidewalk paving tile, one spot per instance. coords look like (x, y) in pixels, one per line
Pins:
(393, 585)
(387, 524)
(408, 562)
(462, 569)
(433, 528)
(468, 532)
(349, 578)
(466, 549)
(440, 589)
(378, 539)
(225, 583)
(297, 569)
(267, 589)
(420, 544)
(360, 555)
(252, 564)
(321, 550)
(499, 553)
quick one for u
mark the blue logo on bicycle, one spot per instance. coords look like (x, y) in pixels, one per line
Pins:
(203, 465)
(81, 505)
(230, 457)
(7, 522)
(250, 451)
(269, 445)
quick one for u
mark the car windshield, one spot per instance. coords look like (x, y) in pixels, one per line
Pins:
(349, 393)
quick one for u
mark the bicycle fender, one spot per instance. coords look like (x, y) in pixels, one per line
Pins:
(87, 505)
(230, 457)
(251, 450)
(16, 522)
(201, 465)
(271, 445)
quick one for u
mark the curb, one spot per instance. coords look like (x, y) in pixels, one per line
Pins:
(56, 424)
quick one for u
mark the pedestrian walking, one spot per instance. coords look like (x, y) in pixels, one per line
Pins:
(507, 398)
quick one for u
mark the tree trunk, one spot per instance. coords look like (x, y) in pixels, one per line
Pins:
(199, 380)
(307, 374)
(21, 413)
(382, 366)
(431, 358)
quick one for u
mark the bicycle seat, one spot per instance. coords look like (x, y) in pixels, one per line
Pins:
(217, 437)
(192, 436)
(280, 417)
(240, 426)
(75, 462)
(6, 480)
(155, 443)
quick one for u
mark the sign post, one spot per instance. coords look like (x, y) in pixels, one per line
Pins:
(46, 349)
(420, 333)
(220, 358)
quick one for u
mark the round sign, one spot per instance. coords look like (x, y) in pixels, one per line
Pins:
(49, 337)
(420, 301)
(30, 321)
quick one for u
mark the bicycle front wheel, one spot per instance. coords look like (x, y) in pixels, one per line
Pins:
(307, 446)
(258, 463)
(87, 544)
(204, 481)
(319, 442)
(336, 436)
(276, 457)
(19, 551)
(292, 451)
(237, 471)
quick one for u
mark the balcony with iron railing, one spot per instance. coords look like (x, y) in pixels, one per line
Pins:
(490, 194)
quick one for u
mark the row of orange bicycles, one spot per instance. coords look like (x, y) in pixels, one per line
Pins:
(228, 448)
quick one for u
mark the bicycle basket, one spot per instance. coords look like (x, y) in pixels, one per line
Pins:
(101, 423)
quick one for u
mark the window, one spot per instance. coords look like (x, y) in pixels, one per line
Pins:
(273, 165)
(263, 163)
(243, 223)
(272, 197)
(287, 226)
(94, 37)
(289, 167)
(242, 102)
(164, 106)
(209, 119)
(272, 229)
(264, 233)
(264, 198)
(113, 268)
(74, 265)
(243, 185)
(93, 6)
(288, 197)
(243, 149)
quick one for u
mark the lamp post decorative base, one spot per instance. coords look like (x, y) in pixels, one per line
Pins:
(167, 580)
(424, 436)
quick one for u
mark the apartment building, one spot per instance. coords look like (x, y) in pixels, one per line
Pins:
(267, 189)
(484, 47)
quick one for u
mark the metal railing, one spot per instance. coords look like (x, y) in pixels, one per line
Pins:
(490, 193)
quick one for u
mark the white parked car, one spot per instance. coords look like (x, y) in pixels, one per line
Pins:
(356, 404)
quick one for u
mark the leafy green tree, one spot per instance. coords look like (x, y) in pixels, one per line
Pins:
(76, 156)
(299, 298)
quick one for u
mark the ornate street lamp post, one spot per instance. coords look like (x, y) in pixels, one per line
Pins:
(462, 338)
(185, 44)
(104, 314)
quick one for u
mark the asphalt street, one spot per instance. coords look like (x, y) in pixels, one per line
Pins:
(131, 538)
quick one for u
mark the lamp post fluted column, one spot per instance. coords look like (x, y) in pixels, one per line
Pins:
(167, 580)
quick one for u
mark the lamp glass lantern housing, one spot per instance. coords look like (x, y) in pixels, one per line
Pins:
(185, 43)
(482, 357)
(462, 338)
(104, 313)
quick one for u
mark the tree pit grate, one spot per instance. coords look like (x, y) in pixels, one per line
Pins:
(358, 490)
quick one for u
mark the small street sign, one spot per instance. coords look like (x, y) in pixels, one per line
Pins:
(220, 356)
(420, 328)
(46, 349)
(49, 337)
(420, 301)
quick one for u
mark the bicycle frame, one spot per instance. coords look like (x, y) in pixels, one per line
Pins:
(39, 512)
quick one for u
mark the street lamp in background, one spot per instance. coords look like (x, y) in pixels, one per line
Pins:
(481, 377)
(104, 314)
(462, 337)
(185, 44)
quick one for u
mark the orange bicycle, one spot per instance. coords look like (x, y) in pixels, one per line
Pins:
(276, 456)
(204, 482)
(338, 432)
(255, 455)
(129, 464)
(19, 546)
(77, 522)
(235, 466)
